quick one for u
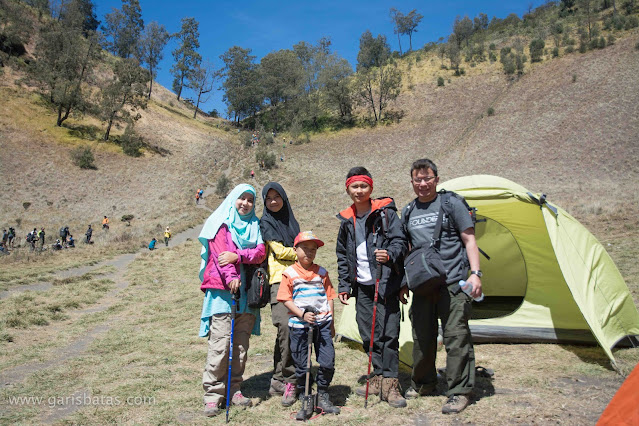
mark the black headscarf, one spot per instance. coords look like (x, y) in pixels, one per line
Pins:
(280, 226)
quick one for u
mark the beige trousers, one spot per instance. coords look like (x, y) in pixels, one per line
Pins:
(214, 379)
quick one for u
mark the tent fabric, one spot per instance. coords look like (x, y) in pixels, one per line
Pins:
(572, 291)
(624, 406)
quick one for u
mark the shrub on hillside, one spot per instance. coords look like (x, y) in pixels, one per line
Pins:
(245, 137)
(611, 40)
(83, 158)
(536, 50)
(127, 218)
(508, 61)
(637, 46)
(492, 46)
(602, 42)
(440, 82)
(491, 111)
(223, 186)
(131, 142)
(632, 22)
(583, 47)
(268, 138)
(555, 52)
(265, 159)
(569, 49)
(492, 57)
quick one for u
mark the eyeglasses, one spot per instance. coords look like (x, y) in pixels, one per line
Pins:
(423, 180)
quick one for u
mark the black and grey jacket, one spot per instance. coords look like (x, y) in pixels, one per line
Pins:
(394, 242)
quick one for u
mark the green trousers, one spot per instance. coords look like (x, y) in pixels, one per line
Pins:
(453, 307)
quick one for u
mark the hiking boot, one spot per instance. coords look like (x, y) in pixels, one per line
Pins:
(455, 404)
(413, 393)
(211, 409)
(277, 388)
(391, 392)
(239, 399)
(374, 387)
(306, 413)
(290, 395)
(324, 403)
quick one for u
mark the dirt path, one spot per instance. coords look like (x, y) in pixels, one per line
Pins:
(13, 376)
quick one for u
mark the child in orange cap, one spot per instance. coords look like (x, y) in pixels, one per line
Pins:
(307, 292)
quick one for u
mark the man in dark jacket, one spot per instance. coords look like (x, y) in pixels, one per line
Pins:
(88, 234)
(371, 237)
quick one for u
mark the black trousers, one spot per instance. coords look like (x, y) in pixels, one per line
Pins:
(324, 354)
(386, 340)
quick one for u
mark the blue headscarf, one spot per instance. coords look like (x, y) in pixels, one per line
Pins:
(245, 229)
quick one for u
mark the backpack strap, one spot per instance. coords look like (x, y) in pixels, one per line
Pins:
(405, 218)
(437, 232)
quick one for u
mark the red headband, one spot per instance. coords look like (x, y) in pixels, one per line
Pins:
(359, 178)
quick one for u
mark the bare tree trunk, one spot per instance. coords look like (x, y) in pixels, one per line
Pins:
(371, 97)
(400, 44)
(150, 80)
(60, 119)
(108, 129)
(197, 104)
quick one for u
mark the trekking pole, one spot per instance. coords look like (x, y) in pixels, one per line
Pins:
(308, 405)
(234, 299)
(379, 275)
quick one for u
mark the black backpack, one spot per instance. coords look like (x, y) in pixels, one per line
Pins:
(258, 289)
(63, 232)
(29, 237)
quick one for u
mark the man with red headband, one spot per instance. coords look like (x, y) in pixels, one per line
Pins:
(370, 233)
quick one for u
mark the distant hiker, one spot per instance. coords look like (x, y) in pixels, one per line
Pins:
(3, 248)
(64, 232)
(5, 237)
(252, 174)
(371, 233)
(71, 241)
(105, 223)
(197, 198)
(57, 245)
(458, 252)
(32, 237)
(308, 294)
(279, 229)
(88, 234)
(201, 192)
(230, 237)
(167, 236)
(152, 244)
(12, 236)
(41, 236)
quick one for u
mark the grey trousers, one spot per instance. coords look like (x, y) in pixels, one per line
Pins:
(283, 366)
(215, 375)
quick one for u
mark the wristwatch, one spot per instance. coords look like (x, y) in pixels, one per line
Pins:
(477, 272)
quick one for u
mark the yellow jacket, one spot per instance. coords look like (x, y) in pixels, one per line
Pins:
(167, 234)
(279, 257)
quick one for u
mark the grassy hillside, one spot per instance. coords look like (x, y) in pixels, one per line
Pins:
(568, 127)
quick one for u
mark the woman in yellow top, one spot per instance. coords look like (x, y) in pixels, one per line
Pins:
(167, 236)
(279, 229)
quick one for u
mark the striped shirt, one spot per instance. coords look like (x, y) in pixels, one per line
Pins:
(307, 288)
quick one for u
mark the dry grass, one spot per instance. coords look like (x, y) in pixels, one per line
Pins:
(575, 141)
(151, 350)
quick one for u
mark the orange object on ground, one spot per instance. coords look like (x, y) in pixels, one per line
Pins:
(624, 406)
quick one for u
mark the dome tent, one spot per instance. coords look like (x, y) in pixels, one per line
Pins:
(566, 287)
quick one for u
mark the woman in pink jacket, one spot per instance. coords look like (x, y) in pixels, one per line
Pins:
(230, 238)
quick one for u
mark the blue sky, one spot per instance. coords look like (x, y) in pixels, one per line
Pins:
(265, 26)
